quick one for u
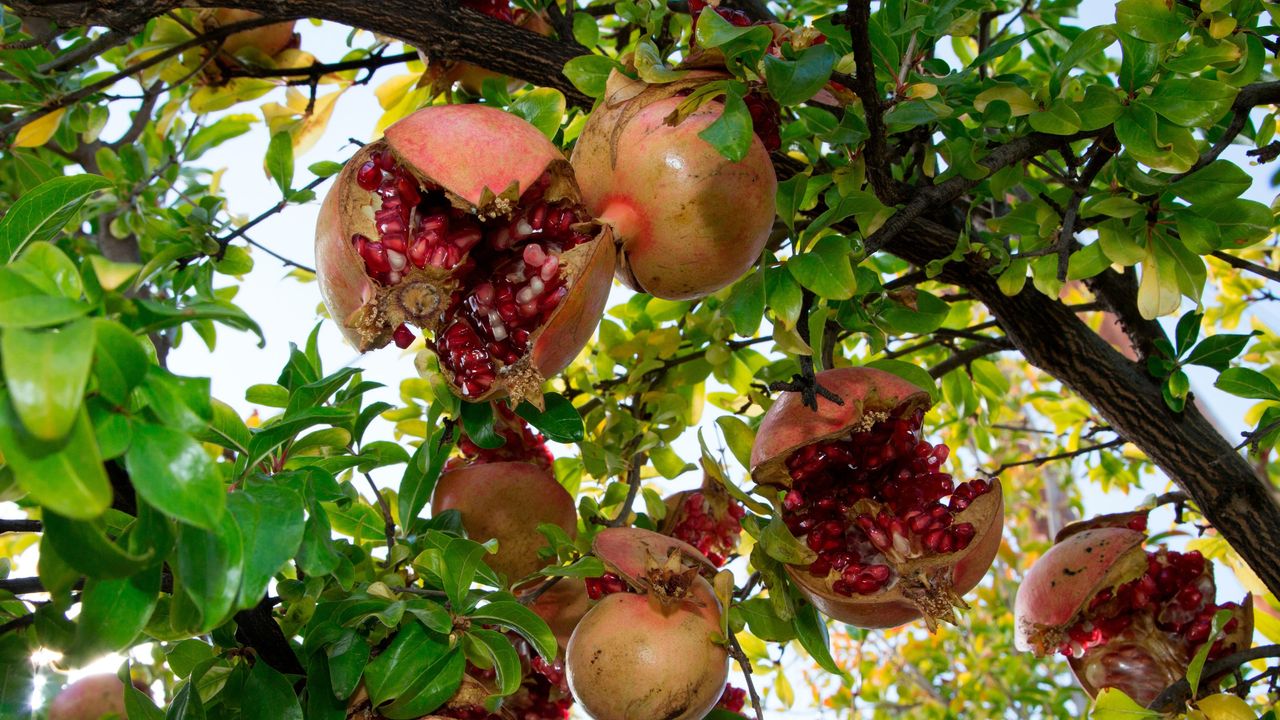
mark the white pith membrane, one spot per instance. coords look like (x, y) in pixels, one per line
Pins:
(1139, 631)
(875, 506)
(481, 280)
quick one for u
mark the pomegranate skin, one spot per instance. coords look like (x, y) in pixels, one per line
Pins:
(1068, 575)
(869, 395)
(507, 501)
(632, 658)
(628, 552)
(89, 698)
(483, 159)
(688, 220)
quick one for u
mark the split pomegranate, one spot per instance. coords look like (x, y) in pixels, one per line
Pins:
(707, 519)
(1125, 617)
(688, 220)
(656, 650)
(894, 537)
(466, 222)
(505, 497)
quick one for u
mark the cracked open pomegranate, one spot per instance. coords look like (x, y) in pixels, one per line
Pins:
(708, 519)
(894, 537)
(1125, 617)
(465, 221)
(505, 497)
(688, 220)
(653, 649)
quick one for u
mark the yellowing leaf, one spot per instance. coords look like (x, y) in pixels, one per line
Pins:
(312, 127)
(394, 89)
(923, 91)
(407, 104)
(1224, 706)
(782, 687)
(1017, 98)
(208, 99)
(38, 131)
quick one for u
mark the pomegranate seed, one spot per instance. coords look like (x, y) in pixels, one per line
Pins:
(403, 336)
(369, 177)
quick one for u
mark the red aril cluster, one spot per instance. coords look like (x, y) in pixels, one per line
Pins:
(869, 502)
(465, 222)
(894, 537)
(712, 525)
(522, 443)
(1125, 618)
(606, 584)
(733, 700)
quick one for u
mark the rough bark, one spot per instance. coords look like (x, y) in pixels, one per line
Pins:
(1184, 445)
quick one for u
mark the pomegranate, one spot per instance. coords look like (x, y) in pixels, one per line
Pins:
(654, 650)
(90, 698)
(271, 40)
(561, 606)
(894, 537)
(707, 519)
(505, 496)
(1125, 617)
(465, 222)
(688, 220)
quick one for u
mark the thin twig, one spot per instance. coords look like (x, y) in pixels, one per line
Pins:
(90, 50)
(1175, 696)
(1240, 264)
(858, 20)
(20, 526)
(389, 525)
(224, 241)
(1038, 461)
(736, 652)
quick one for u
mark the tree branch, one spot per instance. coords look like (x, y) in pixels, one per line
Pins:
(20, 526)
(1038, 461)
(1239, 264)
(1175, 697)
(858, 20)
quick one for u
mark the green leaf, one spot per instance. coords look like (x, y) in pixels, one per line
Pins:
(430, 689)
(1087, 262)
(928, 315)
(792, 82)
(517, 617)
(1218, 181)
(113, 612)
(347, 659)
(1240, 222)
(1217, 351)
(1192, 102)
(66, 476)
(409, 656)
(730, 134)
(739, 436)
(1187, 332)
(1086, 47)
(209, 568)
(119, 362)
(560, 421)
(85, 546)
(586, 30)
(1247, 383)
(40, 213)
(325, 168)
(268, 695)
(280, 161)
(811, 631)
(502, 656)
(910, 372)
(46, 372)
(272, 525)
(745, 305)
(172, 471)
(826, 269)
(544, 108)
(478, 424)
(1151, 20)
(1059, 119)
(589, 73)
(423, 470)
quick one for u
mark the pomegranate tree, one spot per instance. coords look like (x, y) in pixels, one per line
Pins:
(894, 537)
(505, 497)
(707, 519)
(653, 649)
(1125, 617)
(688, 220)
(465, 221)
